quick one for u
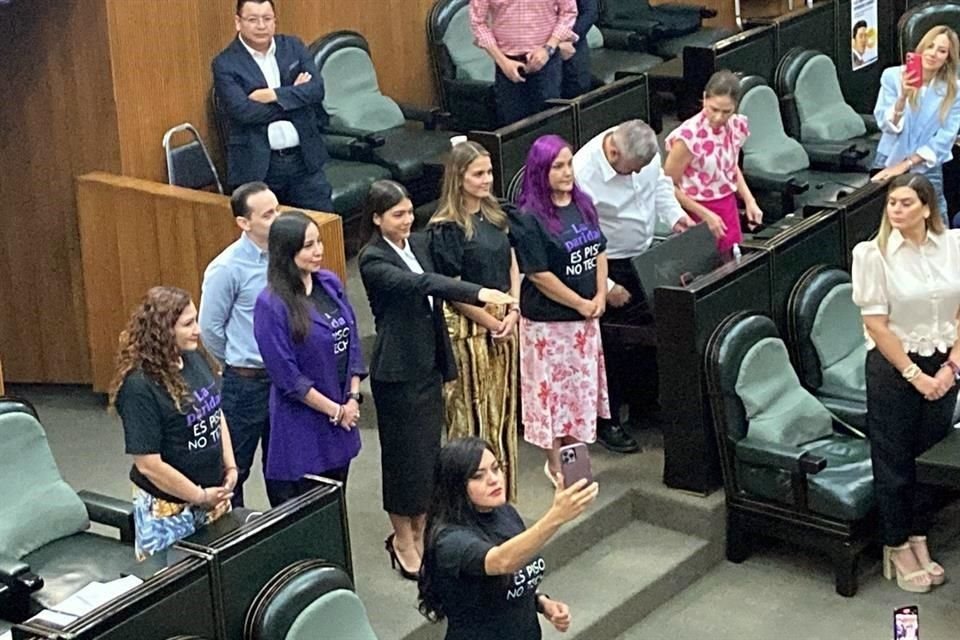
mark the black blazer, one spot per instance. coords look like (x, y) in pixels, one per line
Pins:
(411, 339)
(236, 75)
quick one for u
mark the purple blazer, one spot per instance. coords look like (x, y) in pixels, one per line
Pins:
(303, 440)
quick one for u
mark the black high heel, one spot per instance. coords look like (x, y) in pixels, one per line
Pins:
(395, 561)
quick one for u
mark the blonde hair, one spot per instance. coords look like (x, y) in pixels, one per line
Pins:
(452, 208)
(947, 74)
(928, 197)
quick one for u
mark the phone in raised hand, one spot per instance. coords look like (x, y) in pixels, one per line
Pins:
(575, 464)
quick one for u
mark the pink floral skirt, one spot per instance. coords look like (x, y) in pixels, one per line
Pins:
(725, 207)
(563, 380)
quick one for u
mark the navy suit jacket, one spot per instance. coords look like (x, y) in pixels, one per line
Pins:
(236, 75)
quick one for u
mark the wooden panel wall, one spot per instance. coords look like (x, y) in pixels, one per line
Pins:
(727, 15)
(162, 53)
(165, 235)
(58, 120)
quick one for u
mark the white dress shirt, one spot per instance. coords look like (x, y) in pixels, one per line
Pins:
(627, 206)
(281, 134)
(406, 254)
(916, 287)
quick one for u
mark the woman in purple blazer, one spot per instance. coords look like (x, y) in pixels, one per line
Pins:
(307, 334)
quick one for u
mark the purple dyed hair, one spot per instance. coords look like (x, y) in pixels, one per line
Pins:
(535, 194)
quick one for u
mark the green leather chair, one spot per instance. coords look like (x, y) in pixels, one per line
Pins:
(815, 111)
(778, 169)
(788, 470)
(462, 70)
(920, 18)
(826, 334)
(308, 600)
(413, 146)
(46, 552)
(666, 28)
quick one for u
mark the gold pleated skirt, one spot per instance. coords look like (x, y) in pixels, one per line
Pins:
(482, 401)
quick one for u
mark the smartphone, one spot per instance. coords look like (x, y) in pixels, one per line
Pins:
(575, 464)
(906, 623)
(915, 69)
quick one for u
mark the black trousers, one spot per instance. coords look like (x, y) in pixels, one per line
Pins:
(576, 72)
(279, 491)
(246, 405)
(901, 425)
(517, 100)
(631, 368)
(295, 185)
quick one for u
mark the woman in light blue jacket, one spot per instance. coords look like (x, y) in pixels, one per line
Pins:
(920, 125)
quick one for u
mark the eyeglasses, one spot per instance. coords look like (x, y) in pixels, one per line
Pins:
(257, 20)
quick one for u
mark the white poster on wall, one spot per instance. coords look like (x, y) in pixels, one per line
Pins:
(863, 33)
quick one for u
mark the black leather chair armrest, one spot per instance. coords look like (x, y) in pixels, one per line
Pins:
(372, 139)
(835, 155)
(624, 40)
(767, 454)
(111, 512)
(871, 123)
(15, 574)
(348, 148)
(774, 182)
(431, 117)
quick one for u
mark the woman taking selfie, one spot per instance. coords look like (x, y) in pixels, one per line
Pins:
(306, 331)
(482, 566)
(411, 360)
(907, 285)
(468, 238)
(168, 398)
(919, 113)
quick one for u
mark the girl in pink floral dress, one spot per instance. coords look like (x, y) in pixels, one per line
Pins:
(560, 248)
(702, 160)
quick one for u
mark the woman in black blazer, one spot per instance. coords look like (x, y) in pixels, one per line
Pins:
(412, 358)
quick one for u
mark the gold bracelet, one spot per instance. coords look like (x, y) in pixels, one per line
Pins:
(911, 373)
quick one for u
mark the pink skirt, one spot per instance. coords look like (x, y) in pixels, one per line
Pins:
(563, 381)
(725, 207)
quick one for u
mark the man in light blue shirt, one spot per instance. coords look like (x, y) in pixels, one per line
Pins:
(231, 284)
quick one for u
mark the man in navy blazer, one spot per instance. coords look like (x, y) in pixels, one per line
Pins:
(272, 94)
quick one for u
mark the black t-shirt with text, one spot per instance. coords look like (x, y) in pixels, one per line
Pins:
(478, 606)
(484, 259)
(188, 440)
(571, 255)
(339, 329)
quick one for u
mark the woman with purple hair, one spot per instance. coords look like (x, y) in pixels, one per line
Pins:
(560, 248)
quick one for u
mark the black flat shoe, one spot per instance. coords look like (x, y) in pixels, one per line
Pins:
(395, 560)
(612, 437)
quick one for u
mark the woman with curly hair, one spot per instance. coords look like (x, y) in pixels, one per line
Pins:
(168, 398)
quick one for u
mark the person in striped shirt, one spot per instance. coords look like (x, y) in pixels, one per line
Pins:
(522, 37)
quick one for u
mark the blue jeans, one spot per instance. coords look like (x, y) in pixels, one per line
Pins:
(935, 176)
(246, 405)
(517, 100)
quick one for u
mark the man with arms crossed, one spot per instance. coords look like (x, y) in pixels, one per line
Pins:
(272, 94)
(231, 284)
(621, 172)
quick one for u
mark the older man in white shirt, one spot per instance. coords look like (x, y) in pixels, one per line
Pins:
(620, 170)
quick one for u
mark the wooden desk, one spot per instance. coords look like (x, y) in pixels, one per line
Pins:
(2, 392)
(940, 464)
(136, 234)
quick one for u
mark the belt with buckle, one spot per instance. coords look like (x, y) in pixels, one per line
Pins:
(248, 372)
(289, 151)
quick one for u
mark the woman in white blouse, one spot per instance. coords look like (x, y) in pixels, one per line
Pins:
(907, 285)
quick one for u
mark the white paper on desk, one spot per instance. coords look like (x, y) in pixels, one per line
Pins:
(95, 594)
(6, 635)
(53, 618)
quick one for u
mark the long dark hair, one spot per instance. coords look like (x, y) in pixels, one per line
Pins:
(383, 195)
(536, 194)
(283, 276)
(449, 506)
